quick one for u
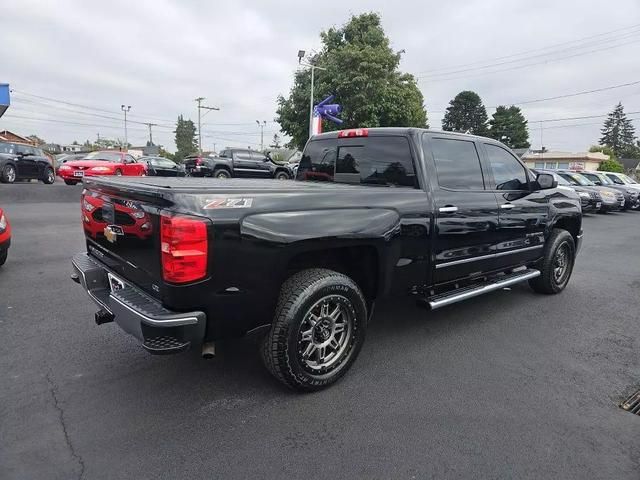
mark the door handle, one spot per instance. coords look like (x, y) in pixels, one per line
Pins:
(507, 206)
(448, 209)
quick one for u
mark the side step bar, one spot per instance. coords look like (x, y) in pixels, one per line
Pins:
(496, 283)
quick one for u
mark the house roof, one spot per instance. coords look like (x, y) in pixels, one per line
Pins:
(7, 136)
(583, 156)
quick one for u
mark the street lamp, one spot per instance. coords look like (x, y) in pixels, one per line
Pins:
(301, 54)
(261, 125)
(126, 139)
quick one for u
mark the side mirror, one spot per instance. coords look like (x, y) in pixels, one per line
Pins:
(546, 180)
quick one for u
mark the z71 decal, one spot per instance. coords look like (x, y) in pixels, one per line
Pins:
(228, 203)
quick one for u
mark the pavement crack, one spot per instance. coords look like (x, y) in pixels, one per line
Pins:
(53, 388)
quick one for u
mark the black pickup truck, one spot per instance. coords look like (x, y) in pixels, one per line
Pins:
(237, 163)
(439, 216)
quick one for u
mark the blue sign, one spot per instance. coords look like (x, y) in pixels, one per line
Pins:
(328, 110)
(4, 97)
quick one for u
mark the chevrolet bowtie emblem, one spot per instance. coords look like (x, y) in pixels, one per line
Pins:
(111, 233)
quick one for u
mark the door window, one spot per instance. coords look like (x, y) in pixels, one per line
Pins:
(457, 164)
(25, 150)
(243, 156)
(508, 173)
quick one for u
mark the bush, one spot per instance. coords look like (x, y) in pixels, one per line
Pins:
(611, 166)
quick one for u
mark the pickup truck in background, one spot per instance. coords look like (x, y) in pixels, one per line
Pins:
(439, 216)
(235, 162)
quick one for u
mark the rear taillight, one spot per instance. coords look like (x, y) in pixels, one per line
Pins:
(356, 132)
(199, 161)
(3, 222)
(183, 242)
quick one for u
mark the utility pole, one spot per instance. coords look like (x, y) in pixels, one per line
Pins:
(261, 125)
(200, 107)
(126, 139)
(151, 133)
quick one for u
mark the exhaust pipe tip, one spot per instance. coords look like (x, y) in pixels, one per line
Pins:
(208, 350)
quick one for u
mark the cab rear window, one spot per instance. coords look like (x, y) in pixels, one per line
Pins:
(383, 161)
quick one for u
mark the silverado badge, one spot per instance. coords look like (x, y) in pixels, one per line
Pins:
(111, 232)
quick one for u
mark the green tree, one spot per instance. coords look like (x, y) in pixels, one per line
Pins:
(611, 166)
(467, 114)
(185, 138)
(604, 149)
(361, 69)
(618, 132)
(509, 126)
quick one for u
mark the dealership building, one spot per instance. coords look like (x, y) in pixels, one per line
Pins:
(564, 160)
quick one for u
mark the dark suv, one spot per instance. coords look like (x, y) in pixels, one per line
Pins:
(24, 162)
(234, 162)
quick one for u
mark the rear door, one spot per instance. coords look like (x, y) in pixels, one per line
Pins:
(523, 212)
(466, 214)
(243, 164)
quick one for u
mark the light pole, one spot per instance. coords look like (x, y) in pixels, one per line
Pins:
(200, 107)
(261, 125)
(301, 54)
(126, 139)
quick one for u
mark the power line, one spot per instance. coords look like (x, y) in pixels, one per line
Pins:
(576, 94)
(535, 50)
(517, 67)
(575, 118)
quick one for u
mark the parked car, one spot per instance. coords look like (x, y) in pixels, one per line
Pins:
(5, 237)
(24, 162)
(612, 200)
(439, 216)
(68, 157)
(240, 163)
(100, 163)
(630, 194)
(162, 167)
(590, 198)
(622, 180)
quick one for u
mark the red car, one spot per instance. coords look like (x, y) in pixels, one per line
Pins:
(5, 237)
(108, 162)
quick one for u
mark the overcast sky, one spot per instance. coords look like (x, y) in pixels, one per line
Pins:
(159, 55)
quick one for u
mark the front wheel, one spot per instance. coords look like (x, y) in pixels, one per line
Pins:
(318, 329)
(282, 176)
(49, 176)
(557, 264)
(8, 174)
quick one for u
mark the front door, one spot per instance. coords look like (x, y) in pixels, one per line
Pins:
(243, 164)
(523, 212)
(26, 163)
(466, 213)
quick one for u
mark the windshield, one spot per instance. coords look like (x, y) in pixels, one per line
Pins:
(594, 177)
(576, 179)
(104, 156)
(626, 179)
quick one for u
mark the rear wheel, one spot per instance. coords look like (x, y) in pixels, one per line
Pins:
(318, 329)
(71, 182)
(49, 176)
(222, 173)
(557, 264)
(8, 174)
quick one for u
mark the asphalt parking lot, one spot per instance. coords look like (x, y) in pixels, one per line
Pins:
(509, 385)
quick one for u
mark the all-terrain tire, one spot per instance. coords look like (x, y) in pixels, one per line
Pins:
(554, 276)
(299, 296)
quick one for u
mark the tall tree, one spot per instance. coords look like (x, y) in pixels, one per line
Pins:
(510, 127)
(618, 132)
(185, 138)
(466, 113)
(361, 69)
